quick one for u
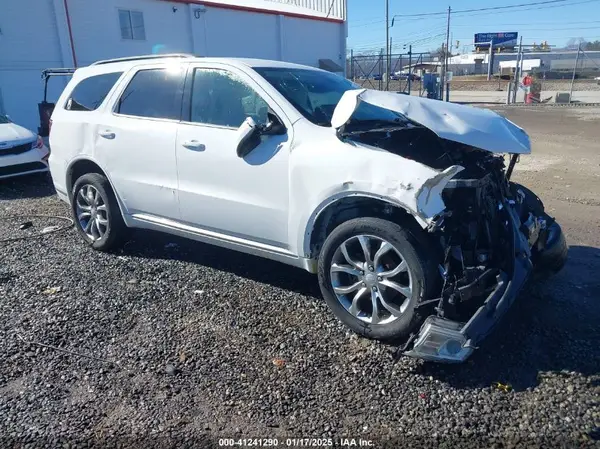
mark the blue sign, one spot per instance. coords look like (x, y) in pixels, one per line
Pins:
(499, 39)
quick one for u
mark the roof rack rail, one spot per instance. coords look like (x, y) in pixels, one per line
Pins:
(141, 58)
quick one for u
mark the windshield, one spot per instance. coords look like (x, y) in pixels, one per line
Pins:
(4, 119)
(315, 94)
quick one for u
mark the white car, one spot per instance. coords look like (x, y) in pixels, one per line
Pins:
(21, 151)
(401, 205)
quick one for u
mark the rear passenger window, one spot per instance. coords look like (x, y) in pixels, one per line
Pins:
(155, 93)
(91, 92)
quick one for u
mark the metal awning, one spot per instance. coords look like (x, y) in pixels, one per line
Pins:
(330, 66)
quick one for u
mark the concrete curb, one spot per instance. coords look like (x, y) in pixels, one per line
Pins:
(533, 106)
(549, 105)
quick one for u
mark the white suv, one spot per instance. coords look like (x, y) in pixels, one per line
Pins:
(402, 205)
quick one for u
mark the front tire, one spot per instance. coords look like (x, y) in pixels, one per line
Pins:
(96, 212)
(373, 274)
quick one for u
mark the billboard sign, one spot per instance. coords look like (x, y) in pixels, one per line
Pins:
(500, 40)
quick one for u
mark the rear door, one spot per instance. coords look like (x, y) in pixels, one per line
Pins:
(135, 139)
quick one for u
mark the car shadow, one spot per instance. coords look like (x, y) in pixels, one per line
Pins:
(37, 185)
(156, 245)
(553, 326)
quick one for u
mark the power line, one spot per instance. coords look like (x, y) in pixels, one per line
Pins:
(491, 8)
(426, 36)
(527, 23)
(537, 8)
(477, 12)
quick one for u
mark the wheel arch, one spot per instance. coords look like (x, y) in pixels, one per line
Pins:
(82, 166)
(335, 211)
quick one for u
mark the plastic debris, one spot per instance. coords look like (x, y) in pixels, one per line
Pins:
(506, 388)
(52, 290)
(49, 229)
(26, 225)
(279, 363)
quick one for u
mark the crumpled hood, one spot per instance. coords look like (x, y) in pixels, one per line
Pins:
(11, 132)
(480, 128)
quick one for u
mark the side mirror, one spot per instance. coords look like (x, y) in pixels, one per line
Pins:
(248, 137)
(274, 127)
(249, 133)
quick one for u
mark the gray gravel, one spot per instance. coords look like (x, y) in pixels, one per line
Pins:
(173, 343)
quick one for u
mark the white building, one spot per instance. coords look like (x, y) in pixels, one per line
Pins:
(477, 63)
(40, 34)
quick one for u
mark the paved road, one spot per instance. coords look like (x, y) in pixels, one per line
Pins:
(500, 97)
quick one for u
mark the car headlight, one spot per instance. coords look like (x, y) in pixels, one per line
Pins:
(39, 143)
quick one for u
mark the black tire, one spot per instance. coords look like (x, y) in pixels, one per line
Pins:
(531, 201)
(417, 253)
(116, 230)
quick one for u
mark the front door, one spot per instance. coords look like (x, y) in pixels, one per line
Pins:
(244, 198)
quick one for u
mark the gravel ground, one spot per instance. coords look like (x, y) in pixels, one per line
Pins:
(171, 343)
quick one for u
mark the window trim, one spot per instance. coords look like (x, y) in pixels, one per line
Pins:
(186, 110)
(129, 11)
(128, 80)
(106, 97)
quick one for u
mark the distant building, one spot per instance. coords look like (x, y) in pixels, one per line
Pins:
(40, 34)
(476, 63)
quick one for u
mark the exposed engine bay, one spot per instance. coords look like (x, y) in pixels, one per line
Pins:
(488, 239)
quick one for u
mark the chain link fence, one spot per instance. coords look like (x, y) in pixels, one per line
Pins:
(568, 77)
(405, 75)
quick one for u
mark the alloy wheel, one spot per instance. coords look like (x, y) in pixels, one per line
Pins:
(91, 212)
(371, 279)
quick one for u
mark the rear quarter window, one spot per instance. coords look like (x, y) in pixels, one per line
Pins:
(89, 94)
(153, 93)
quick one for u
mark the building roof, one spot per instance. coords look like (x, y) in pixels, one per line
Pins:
(330, 10)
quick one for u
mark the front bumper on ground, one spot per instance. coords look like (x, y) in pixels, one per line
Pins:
(442, 340)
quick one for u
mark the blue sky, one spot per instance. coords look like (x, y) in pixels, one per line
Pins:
(554, 22)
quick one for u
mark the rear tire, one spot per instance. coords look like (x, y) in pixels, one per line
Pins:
(396, 315)
(96, 213)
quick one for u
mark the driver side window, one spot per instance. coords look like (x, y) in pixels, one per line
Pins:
(221, 98)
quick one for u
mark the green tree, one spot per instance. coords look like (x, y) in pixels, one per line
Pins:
(590, 46)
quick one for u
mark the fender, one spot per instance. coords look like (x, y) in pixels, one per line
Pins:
(330, 201)
(88, 158)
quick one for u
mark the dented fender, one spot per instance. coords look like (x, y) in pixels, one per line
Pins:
(320, 179)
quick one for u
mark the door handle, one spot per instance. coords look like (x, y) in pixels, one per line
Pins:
(107, 134)
(194, 145)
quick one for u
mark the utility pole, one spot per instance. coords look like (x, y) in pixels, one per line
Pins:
(574, 70)
(491, 61)
(446, 54)
(409, 67)
(387, 44)
(518, 68)
(390, 63)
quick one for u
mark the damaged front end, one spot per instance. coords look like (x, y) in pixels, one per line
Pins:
(492, 235)
(488, 256)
